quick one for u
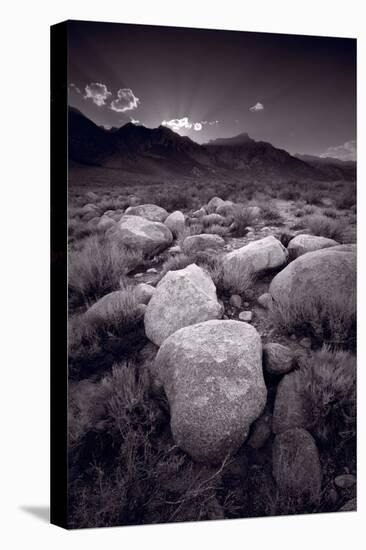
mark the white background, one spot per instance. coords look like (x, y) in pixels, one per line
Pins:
(24, 298)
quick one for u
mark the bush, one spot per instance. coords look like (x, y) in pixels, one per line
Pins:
(97, 268)
(346, 198)
(270, 213)
(243, 217)
(328, 384)
(324, 227)
(216, 229)
(124, 473)
(95, 342)
(332, 322)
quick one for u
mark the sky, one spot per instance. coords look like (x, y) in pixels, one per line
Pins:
(297, 92)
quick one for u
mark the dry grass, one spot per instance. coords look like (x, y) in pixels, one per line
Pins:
(96, 340)
(139, 480)
(328, 384)
(332, 322)
(97, 268)
(243, 217)
(323, 226)
(216, 229)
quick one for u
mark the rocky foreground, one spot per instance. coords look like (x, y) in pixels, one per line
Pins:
(241, 366)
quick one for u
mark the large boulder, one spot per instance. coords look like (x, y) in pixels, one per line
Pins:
(291, 409)
(141, 234)
(175, 222)
(204, 241)
(213, 379)
(301, 244)
(323, 281)
(257, 256)
(296, 466)
(183, 297)
(151, 212)
(213, 204)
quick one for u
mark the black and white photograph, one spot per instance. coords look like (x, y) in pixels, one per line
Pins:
(211, 274)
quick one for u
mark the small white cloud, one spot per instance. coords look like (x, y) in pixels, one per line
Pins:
(177, 124)
(134, 121)
(73, 87)
(257, 107)
(347, 151)
(126, 101)
(213, 122)
(97, 92)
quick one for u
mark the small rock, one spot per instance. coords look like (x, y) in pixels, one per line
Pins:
(265, 300)
(345, 481)
(293, 337)
(235, 300)
(152, 270)
(138, 275)
(246, 316)
(246, 304)
(174, 250)
(277, 359)
(305, 343)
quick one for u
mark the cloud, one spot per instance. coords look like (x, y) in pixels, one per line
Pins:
(97, 92)
(134, 121)
(347, 151)
(126, 101)
(177, 124)
(257, 107)
(73, 87)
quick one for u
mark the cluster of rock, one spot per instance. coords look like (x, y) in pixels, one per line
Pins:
(211, 368)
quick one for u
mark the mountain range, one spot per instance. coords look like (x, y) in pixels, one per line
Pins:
(135, 148)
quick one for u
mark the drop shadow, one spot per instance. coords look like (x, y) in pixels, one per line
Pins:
(40, 512)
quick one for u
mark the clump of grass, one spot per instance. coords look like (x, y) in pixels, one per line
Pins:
(271, 213)
(328, 385)
(216, 229)
(140, 479)
(331, 321)
(97, 267)
(346, 198)
(174, 263)
(290, 193)
(331, 213)
(324, 227)
(95, 339)
(243, 217)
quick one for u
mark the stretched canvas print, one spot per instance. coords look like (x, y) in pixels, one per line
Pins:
(203, 274)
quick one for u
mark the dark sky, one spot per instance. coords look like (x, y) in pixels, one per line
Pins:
(297, 92)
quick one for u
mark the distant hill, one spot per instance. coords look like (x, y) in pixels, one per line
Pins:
(332, 167)
(155, 151)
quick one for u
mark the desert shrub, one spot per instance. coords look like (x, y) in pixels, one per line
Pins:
(231, 280)
(324, 227)
(173, 199)
(312, 195)
(331, 213)
(328, 385)
(97, 268)
(271, 213)
(125, 473)
(243, 217)
(332, 321)
(95, 342)
(79, 229)
(180, 261)
(346, 198)
(290, 193)
(216, 229)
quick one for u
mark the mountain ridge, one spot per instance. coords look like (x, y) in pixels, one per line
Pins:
(134, 147)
